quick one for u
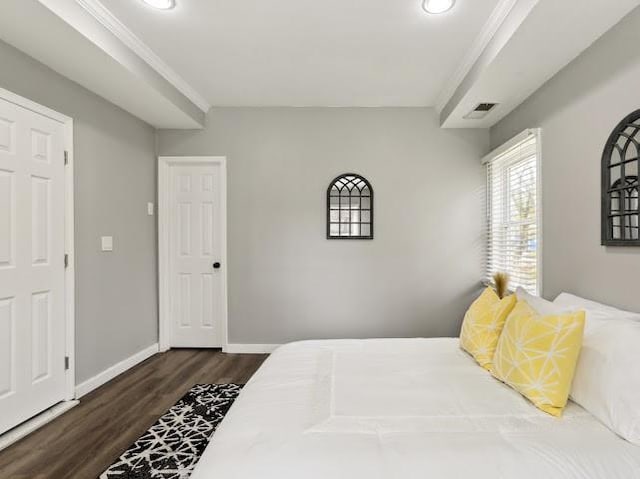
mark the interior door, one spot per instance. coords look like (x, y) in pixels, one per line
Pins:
(196, 267)
(32, 308)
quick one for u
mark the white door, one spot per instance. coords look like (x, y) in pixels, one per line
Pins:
(32, 239)
(196, 255)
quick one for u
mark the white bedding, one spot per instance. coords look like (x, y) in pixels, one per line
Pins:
(401, 408)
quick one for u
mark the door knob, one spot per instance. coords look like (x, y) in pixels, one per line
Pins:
(216, 265)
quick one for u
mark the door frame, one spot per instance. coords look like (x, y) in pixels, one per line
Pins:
(69, 228)
(165, 163)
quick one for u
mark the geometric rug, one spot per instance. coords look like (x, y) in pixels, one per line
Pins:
(171, 447)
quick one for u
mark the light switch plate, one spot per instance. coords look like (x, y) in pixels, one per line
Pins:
(107, 243)
(150, 209)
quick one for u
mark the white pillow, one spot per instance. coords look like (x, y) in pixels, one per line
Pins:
(541, 305)
(594, 310)
(606, 382)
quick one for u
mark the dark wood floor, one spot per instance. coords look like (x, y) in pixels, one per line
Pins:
(83, 442)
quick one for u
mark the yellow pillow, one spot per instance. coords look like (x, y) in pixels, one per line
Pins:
(483, 324)
(537, 355)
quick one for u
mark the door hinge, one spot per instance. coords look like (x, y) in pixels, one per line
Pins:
(66, 363)
(66, 260)
(66, 157)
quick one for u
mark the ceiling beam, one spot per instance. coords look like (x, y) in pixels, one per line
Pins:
(526, 43)
(73, 41)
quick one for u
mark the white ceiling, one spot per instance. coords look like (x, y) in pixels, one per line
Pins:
(309, 52)
(169, 67)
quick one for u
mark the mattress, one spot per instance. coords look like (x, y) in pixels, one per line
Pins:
(401, 408)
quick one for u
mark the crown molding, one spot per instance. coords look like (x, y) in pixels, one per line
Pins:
(481, 42)
(97, 10)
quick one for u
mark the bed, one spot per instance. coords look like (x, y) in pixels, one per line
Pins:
(405, 408)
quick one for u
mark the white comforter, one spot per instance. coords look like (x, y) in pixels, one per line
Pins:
(401, 408)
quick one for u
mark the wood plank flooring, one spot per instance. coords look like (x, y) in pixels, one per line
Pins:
(83, 442)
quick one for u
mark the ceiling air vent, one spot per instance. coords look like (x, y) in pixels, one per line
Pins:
(480, 111)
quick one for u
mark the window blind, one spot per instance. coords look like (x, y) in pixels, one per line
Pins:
(512, 214)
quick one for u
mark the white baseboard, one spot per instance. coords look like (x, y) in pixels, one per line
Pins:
(250, 348)
(107, 375)
(18, 432)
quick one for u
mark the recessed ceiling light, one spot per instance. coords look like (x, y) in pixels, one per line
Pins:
(161, 4)
(438, 6)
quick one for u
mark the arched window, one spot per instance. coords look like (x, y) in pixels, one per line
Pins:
(620, 206)
(350, 208)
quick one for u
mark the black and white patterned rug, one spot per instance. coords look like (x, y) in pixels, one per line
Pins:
(171, 448)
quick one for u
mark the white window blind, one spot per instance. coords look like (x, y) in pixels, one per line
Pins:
(513, 207)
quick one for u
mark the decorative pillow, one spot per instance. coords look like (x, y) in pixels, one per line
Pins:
(537, 355)
(483, 324)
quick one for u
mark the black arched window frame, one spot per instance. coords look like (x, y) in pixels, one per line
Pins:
(620, 206)
(341, 182)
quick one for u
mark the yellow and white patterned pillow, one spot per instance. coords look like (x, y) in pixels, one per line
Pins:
(483, 324)
(537, 355)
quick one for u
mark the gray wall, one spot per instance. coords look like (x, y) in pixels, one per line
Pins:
(286, 281)
(577, 110)
(115, 170)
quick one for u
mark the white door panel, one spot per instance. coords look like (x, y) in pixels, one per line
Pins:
(195, 245)
(32, 238)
